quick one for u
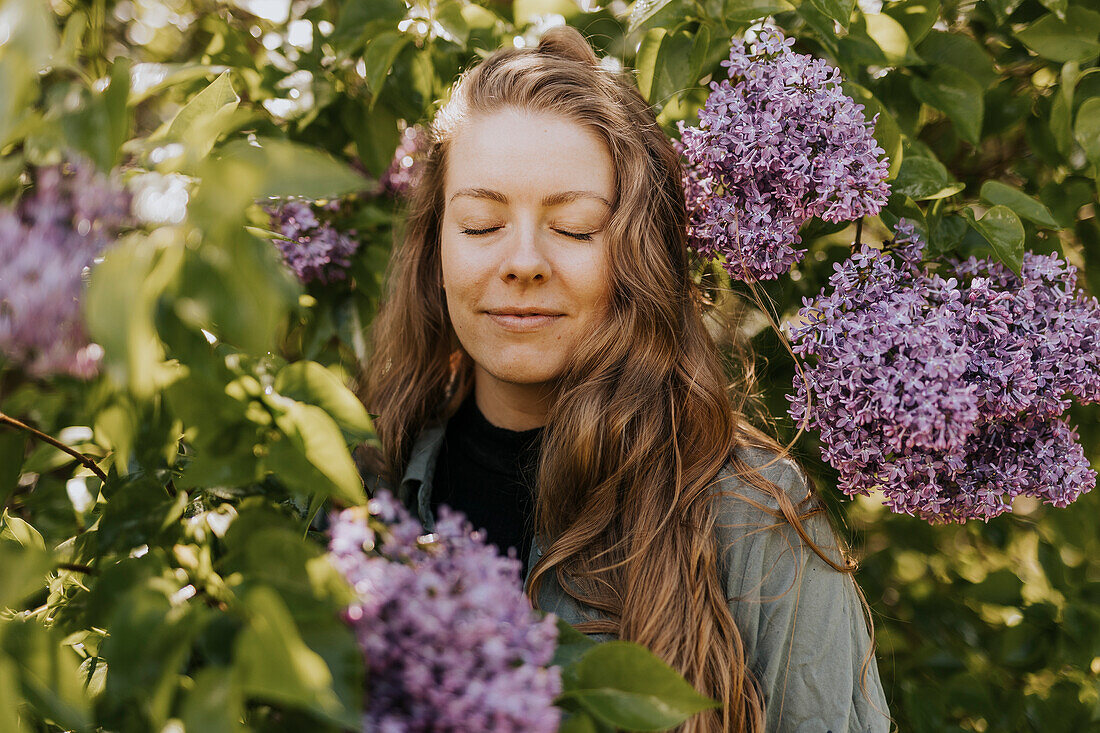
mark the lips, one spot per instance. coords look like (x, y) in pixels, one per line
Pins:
(523, 320)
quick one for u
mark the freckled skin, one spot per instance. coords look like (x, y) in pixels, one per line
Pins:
(530, 257)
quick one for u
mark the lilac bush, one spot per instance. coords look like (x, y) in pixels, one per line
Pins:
(449, 640)
(778, 143)
(947, 390)
(313, 248)
(47, 240)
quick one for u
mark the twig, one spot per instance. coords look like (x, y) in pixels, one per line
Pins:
(77, 568)
(88, 462)
(859, 231)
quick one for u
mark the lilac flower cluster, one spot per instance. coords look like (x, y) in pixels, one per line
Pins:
(313, 247)
(449, 639)
(408, 162)
(948, 394)
(47, 240)
(778, 143)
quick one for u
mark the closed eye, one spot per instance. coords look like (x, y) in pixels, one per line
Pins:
(584, 237)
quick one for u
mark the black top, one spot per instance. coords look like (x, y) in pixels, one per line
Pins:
(488, 473)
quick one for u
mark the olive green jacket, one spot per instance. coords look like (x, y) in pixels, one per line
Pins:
(801, 621)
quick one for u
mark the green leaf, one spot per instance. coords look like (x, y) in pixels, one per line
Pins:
(916, 16)
(25, 569)
(957, 95)
(375, 134)
(448, 17)
(137, 512)
(1002, 229)
(1086, 129)
(997, 193)
(700, 52)
(18, 530)
(1061, 109)
(924, 179)
(29, 40)
(641, 11)
(890, 36)
(149, 644)
(10, 697)
(13, 446)
(381, 53)
(838, 10)
(214, 702)
(271, 662)
(49, 674)
(623, 684)
(1058, 7)
(313, 456)
(309, 382)
(115, 98)
(238, 288)
(30, 31)
(646, 60)
(571, 646)
(359, 20)
(743, 11)
(672, 69)
(960, 52)
(201, 121)
(525, 12)
(150, 79)
(119, 308)
(1072, 39)
(578, 722)
(285, 169)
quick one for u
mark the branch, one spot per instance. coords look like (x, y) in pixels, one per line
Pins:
(859, 231)
(88, 462)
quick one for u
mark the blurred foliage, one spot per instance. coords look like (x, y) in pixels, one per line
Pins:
(167, 595)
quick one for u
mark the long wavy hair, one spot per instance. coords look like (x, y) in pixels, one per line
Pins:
(643, 418)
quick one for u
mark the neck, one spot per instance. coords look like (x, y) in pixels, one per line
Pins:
(509, 405)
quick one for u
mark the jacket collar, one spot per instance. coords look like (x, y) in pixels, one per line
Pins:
(415, 490)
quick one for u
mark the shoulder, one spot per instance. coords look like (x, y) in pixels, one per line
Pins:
(768, 568)
(801, 620)
(748, 515)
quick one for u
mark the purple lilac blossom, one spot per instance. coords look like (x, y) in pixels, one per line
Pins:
(948, 394)
(47, 240)
(314, 249)
(449, 639)
(408, 162)
(778, 143)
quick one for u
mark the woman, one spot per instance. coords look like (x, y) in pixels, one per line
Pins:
(542, 329)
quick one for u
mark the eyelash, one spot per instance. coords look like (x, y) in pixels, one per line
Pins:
(580, 237)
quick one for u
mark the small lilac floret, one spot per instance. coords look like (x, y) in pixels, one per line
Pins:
(48, 240)
(449, 639)
(949, 394)
(778, 143)
(313, 248)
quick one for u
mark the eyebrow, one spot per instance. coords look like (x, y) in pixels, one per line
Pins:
(553, 199)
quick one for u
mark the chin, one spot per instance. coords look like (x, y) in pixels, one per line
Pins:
(527, 370)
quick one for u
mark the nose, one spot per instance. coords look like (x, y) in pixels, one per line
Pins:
(523, 259)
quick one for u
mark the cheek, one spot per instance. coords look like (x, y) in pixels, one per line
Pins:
(464, 285)
(592, 284)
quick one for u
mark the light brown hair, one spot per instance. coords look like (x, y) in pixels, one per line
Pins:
(643, 420)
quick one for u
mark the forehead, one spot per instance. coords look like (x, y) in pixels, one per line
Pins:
(528, 154)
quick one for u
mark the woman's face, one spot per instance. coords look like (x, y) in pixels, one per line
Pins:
(525, 261)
